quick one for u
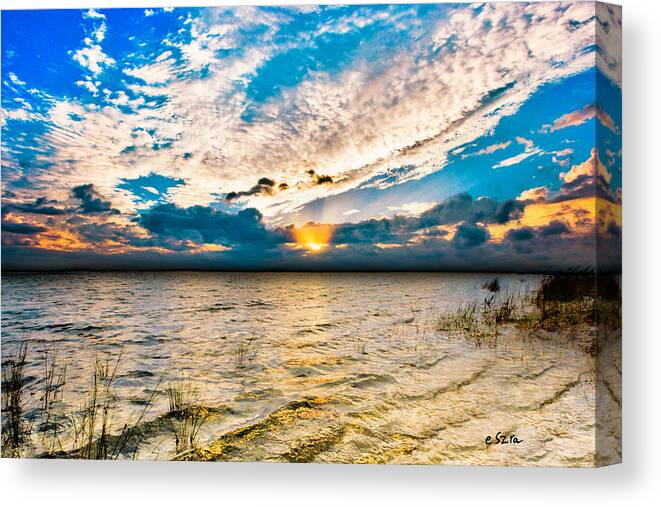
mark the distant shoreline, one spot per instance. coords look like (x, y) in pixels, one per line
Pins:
(407, 271)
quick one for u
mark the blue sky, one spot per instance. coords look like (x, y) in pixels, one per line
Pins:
(312, 137)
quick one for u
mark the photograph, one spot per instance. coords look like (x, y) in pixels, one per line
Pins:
(343, 234)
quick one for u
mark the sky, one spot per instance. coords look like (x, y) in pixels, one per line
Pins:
(471, 137)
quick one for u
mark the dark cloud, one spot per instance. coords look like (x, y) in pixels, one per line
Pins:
(423, 240)
(266, 181)
(320, 179)
(374, 231)
(99, 232)
(613, 229)
(41, 206)
(553, 228)
(18, 228)
(204, 224)
(509, 210)
(463, 208)
(520, 234)
(263, 186)
(92, 201)
(470, 235)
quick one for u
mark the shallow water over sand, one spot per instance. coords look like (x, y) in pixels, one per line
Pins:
(314, 367)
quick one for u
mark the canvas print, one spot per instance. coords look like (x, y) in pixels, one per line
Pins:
(335, 233)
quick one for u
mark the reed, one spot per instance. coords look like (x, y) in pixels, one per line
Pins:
(52, 385)
(186, 415)
(15, 430)
(464, 319)
(560, 303)
(91, 426)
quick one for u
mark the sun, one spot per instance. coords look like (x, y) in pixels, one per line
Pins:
(313, 237)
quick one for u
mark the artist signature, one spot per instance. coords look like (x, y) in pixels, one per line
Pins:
(503, 439)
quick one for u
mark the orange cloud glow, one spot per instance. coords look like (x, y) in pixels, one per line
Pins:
(591, 167)
(580, 215)
(313, 237)
(580, 116)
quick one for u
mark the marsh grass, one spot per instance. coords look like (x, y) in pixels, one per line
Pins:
(15, 428)
(91, 426)
(464, 319)
(54, 377)
(88, 432)
(52, 385)
(501, 308)
(186, 415)
(561, 302)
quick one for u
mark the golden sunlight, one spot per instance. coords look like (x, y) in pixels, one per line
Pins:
(313, 237)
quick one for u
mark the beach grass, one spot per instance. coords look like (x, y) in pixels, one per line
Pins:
(186, 414)
(561, 303)
(15, 428)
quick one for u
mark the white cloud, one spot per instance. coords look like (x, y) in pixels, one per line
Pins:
(488, 150)
(412, 208)
(16, 114)
(14, 79)
(100, 32)
(88, 85)
(355, 126)
(93, 58)
(93, 14)
(149, 12)
(155, 73)
(529, 150)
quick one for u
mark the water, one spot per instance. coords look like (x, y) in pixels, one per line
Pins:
(312, 367)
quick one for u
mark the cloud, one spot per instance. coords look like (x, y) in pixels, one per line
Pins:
(488, 150)
(457, 210)
(204, 224)
(93, 14)
(359, 123)
(91, 200)
(93, 58)
(411, 208)
(265, 186)
(589, 178)
(22, 228)
(554, 228)
(14, 79)
(529, 150)
(89, 85)
(469, 236)
(156, 73)
(534, 194)
(520, 234)
(580, 116)
(609, 41)
(319, 179)
(188, 107)
(41, 206)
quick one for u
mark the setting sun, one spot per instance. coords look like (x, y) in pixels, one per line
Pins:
(314, 238)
